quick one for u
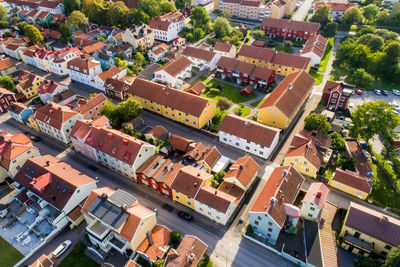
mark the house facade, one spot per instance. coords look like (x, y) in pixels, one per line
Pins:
(83, 70)
(139, 35)
(20, 112)
(7, 66)
(351, 183)
(336, 95)
(113, 72)
(49, 89)
(314, 49)
(337, 9)
(174, 72)
(167, 26)
(250, 10)
(289, 29)
(314, 201)
(201, 59)
(6, 98)
(28, 83)
(225, 49)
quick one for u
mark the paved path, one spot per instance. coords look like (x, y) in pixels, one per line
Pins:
(303, 10)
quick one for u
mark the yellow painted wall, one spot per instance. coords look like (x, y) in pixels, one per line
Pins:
(32, 90)
(272, 116)
(208, 113)
(280, 69)
(348, 189)
(183, 199)
(33, 123)
(148, 224)
(299, 164)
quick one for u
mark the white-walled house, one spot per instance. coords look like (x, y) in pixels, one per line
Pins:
(83, 70)
(201, 58)
(113, 72)
(54, 186)
(314, 201)
(242, 173)
(225, 49)
(273, 210)
(250, 136)
(167, 27)
(53, 7)
(57, 121)
(314, 49)
(58, 60)
(48, 89)
(174, 72)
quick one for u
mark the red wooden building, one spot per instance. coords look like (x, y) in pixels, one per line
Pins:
(336, 95)
(289, 29)
(6, 98)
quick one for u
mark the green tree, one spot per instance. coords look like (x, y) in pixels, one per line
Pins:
(159, 263)
(330, 29)
(346, 162)
(224, 103)
(71, 5)
(386, 34)
(369, 262)
(316, 121)
(167, 6)
(123, 112)
(370, 11)
(360, 77)
(383, 18)
(150, 7)
(322, 15)
(373, 41)
(393, 258)
(120, 62)
(200, 18)
(393, 51)
(226, 14)
(182, 3)
(137, 16)
(117, 14)
(258, 34)
(77, 19)
(175, 238)
(353, 15)
(33, 34)
(8, 83)
(338, 142)
(65, 31)
(3, 14)
(222, 27)
(4, 24)
(372, 118)
(95, 10)
(21, 26)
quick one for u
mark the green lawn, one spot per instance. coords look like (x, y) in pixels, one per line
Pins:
(329, 172)
(245, 111)
(226, 90)
(9, 255)
(248, 36)
(327, 55)
(78, 258)
(257, 104)
(317, 76)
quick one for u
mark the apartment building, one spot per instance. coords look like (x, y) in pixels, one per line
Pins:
(166, 27)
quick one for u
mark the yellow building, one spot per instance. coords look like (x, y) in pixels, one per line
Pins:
(187, 184)
(367, 231)
(28, 83)
(210, 158)
(283, 63)
(33, 123)
(282, 105)
(351, 183)
(180, 106)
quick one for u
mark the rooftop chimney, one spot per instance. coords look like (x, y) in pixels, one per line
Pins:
(272, 201)
(47, 163)
(318, 194)
(150, 238)
(290, 87)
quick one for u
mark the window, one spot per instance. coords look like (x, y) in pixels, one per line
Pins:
(201, 209)
(256, 222)
(388, 247)
(307, 170)
(269, 235)
(269, 229)
(357, 235)
(177, 197)
(261, 153)
(247, 147)
(312, 208)
(383, 253)
(237, 144)
(309, 215)
(189, 203)
(270, 223)
(259, 218)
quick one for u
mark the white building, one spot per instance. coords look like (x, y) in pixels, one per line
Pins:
(53, 7)
(314, 49)
(58, 60)
(337, 8)
(41, 59)
(314, 201)
(225, 49)
(158, 52)
(83, 70)
(55, 187)
(174, 72)
(167, 26)
(273, 210)
(48, 89)
(250, 136)
(113, 72)
(202, 59)
(57, 121)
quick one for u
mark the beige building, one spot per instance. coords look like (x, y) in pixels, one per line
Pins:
(139, 35)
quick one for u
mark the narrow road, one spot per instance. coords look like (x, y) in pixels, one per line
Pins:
(303, 10)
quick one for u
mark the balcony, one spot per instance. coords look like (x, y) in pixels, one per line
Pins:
(361, 244)
(98, 230)
(263, 82)
(118, 244)
(220, 70)
(235, 74)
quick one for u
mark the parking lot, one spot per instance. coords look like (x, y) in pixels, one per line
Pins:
(370, 96)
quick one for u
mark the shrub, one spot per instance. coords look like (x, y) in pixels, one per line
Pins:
(214, 91)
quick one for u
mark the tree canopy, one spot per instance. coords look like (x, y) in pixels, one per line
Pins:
(338, 142)
(77, 19)
(8, 83)
(330, 29)
(3, 13)
(65, 31)
(353, 15)
(199, 17)
(33, 34)
(322, 15)
(117, 14)
(393, 258)
(224, 103)
(71, 5)
(374, 118)
(182, 3)
(316, 121)
(222, 27)
(370, 11)
(125, 111)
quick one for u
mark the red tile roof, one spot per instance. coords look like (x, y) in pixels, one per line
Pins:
(295, 25)
(243, 170)
(156, 243)
(54, 115)
(188, 254)
(336, 7)
(198, 53)
(179, 143)
(48, 87)
(355, 150)
(162, 23)
(110, 73)
(316, 44)
(214, 198)
(196, 88)
(176, 66)
(82, 64)
(11, 146)
(189, 180)
(353, 180)
(317, 193)
(223, 47)
(6, 63)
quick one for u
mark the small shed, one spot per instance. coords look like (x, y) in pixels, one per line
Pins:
(247, 90)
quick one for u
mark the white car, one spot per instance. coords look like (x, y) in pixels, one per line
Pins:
(62, 248)
(396, 92)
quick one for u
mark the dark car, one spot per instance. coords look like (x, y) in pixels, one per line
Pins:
(186, 216)
(384, 92)
(35, 138)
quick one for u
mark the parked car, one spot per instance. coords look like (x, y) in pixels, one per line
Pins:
(358, 91)
(377, 92)
(351, 105)
(35, 138)
(396, 92)
(186, 216)
(62, 248)
(385, 92)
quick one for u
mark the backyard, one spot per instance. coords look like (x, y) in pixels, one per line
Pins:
(317, 76)
(242, 111)
(9, 256)
(327, 55)
(77, 257)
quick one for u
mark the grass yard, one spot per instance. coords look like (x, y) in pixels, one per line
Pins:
(327, 55)
(248, 36)
(9, 255)
(317, 76)
(244, 111)
(226, 90)
(257, 104)
(78, 258)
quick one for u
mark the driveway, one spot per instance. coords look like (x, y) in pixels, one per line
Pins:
(370, 96)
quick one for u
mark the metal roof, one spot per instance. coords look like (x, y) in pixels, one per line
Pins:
(108, 212)
(121, 198)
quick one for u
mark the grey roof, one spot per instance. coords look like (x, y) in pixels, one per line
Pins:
(121, 198)
(108, 212)
(149, 70)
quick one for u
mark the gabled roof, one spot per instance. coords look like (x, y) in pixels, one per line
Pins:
(17, 107)
(316, 45)
(290, 93)
(82, 64)
(214, 198)
(157, 132)
(336, 7)
(179, 143)
(162, 22)
(354, 148)
(176, 66)
(110, 73)
(256, 52)
(198, 53)
(211, 156)
(249, 130)
(48, 87)
(25, 79)
(243, 170)
(331, 86)
(6, 63)
(317, 193)
(189, 180)
(11, 146)
(93, 47)
(54, 115)
(291, 24)
(195, 151)
(353, 180)
(281, 188)
(223, 47)
(173, 98)
(196, 88)
(373, 223)
(156, 243)
(97, 100)
(188, 254)
(308, 151)
(4, 91)
(42, 261)
(64, 179)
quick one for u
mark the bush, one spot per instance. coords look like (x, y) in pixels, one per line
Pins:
(214, 91)
(287, 43)
(175, 238)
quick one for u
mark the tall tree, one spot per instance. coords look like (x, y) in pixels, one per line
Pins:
(183, 3)
(150, 7)
(33, 34)
(393, 258)
(222, 27)
(77, 19)
(322, 15)
(373, 41)
(370, 11)
(71, 5)
(167, 6)
(373, 118)
(117, 14)
(338, 142)
(3, 13)
(123, 112)
(393, 51)
(316, 121)
(360, 77)
(224, 103)
(95, 10)
(200, 18)
(8, 83)
(353, 15)
(65, 31)
(330, 29)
